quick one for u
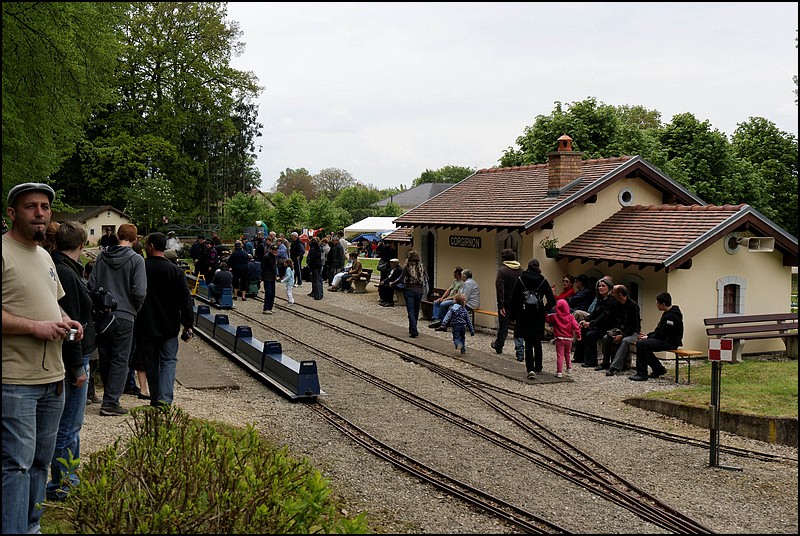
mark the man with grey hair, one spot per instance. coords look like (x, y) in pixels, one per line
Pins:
(471, 292)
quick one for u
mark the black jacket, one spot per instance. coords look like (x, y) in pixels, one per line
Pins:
(314, 258)
(530, 321)
(581, 300)
(269, 267)
(168, 304)
(78, 305)
(504, 284)
(604, 316)
(670, 327)
(629, 318)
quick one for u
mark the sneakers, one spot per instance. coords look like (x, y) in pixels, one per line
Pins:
(266, 312)
(559, 375)
(531, 374)
(434, 325)
(113, 411)
(569, 372)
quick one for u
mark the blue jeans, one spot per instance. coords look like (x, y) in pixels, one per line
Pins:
(269, 295)
(68, 440)
(519, 348)
(316, 284)
(460, 335)
(161, 356)
(413, 301)
(31, 414)
(440, 309)
(114, 361)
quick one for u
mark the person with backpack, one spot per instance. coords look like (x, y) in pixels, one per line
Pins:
(529, 317)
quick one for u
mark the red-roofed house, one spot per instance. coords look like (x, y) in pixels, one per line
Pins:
(621, 217)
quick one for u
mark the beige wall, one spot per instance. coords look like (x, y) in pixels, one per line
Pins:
(767, 281)
(95, 225)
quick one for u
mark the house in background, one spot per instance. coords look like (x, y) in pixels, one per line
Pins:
(412, 197)
(95, 219)
(620, 217)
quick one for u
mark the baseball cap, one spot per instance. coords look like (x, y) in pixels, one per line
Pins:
(394, 260)
(29, 187)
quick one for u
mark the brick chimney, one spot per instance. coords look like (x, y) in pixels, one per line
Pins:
(563, 166)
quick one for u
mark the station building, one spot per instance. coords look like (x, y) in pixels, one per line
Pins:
(621, 217)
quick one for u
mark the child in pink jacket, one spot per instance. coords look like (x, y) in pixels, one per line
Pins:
(565, 328)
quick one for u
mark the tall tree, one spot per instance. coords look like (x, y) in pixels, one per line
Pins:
(149, 201)
(174, 84)
(773, 155)
(331, 181)
(58, 61)
(358, 202)
(296, 180)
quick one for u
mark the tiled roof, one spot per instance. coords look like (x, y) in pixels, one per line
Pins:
(82, 214)
(506, 197)
(657, 235)
(402, 234)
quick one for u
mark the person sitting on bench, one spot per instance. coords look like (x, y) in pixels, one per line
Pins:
(223, 278)
(668, 335)
(344, 281)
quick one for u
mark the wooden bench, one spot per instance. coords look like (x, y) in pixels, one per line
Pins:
(426, 305)
(685, 355)
(742, 328)
(360, 282)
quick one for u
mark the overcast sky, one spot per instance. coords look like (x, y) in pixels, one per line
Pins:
(388, 90)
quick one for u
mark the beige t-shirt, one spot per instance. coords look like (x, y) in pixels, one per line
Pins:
(31, 289)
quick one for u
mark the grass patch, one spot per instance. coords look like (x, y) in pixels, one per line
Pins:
(758, 386)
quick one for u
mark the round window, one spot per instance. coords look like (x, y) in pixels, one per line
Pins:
(625, 197)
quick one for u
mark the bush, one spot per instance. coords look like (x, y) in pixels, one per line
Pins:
(182, 475)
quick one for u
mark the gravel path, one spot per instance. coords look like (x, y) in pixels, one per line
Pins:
(762, 498)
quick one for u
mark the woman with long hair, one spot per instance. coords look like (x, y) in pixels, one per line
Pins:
(413, 278)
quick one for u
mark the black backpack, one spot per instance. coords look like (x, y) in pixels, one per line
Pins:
(530, 300)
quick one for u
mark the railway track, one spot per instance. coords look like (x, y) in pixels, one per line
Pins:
(567, 461)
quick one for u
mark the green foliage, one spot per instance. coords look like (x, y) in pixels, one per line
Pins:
(149, 200)
(58, 59)
(178, 108)
(323, 213)
(242, 210)
(390, 209)
(358, 202)
(288, 213)
(296, 180)
(447, 174)
(181, 475)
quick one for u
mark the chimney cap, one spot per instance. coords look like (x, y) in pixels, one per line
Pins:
(564, 143)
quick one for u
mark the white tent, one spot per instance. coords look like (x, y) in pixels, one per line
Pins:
(372, 224)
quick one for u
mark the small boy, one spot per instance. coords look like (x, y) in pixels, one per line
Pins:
(461, 321)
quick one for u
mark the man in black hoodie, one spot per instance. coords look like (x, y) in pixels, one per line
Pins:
(119, 270)
(668, 335)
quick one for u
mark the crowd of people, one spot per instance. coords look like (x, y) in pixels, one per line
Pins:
(131, 303)
(127, 306)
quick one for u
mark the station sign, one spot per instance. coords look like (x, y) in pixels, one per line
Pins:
(473, 242)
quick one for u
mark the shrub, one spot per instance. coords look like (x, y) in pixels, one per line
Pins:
(177, 474)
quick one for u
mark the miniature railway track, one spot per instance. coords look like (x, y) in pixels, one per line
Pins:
(567, 461)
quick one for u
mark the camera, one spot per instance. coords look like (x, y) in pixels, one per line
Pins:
(71, 334)
(102, 300)
(187, 335)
